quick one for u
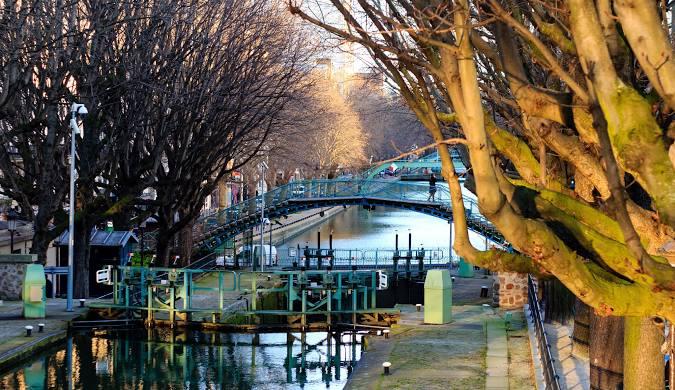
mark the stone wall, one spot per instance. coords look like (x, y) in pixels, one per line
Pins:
(12, 270)
(509, 290)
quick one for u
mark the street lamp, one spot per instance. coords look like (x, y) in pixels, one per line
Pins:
(263, 168)
(76, 109)
(11, 226)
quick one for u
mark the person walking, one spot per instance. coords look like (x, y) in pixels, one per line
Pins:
(432, 188)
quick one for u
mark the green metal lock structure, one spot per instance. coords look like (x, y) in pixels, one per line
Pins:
(465, 269)
(34, 294)
(438, 297)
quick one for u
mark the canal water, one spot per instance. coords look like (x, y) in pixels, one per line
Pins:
(358, 228)
(162, 359)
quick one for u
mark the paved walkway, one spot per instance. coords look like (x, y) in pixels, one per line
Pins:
(457, 355)
(497, 358)
(13, 341)
(574, 372)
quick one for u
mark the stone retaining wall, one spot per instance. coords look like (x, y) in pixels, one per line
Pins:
(509, 290)
(12, 270)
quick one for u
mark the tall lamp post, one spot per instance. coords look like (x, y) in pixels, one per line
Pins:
(11, 226)
(76, 109)
(263, 168)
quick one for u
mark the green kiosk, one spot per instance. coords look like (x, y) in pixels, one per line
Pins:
(465, 269)
(34, 294)
(438, 297)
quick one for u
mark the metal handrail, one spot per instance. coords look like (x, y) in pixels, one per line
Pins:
(338, 189)
(551, 378)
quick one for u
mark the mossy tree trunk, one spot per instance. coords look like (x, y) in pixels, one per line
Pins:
(643, 361)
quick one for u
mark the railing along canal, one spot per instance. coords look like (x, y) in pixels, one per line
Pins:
(551, 378)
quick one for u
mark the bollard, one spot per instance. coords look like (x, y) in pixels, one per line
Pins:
(483, 291)
(386, 333)
(418, 306)
(386, 366)
(41, 328)
(29, 330)
(82, 302)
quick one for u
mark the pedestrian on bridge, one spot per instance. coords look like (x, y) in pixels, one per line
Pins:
(432, 188)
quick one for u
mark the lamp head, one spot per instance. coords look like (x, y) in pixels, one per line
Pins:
(79, 109)
(12, 216)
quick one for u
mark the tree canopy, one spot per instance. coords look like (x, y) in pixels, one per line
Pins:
(565, 112)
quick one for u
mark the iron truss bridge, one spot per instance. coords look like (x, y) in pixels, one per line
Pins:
(297, 196)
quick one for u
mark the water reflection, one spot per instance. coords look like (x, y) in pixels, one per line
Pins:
(356, 228)
(192, 360)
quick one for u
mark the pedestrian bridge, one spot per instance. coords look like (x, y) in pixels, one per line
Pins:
(431, 162)
(297, 196)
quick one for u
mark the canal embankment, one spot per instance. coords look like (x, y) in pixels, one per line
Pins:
(293, 225)
(16, 346)
(477, 350)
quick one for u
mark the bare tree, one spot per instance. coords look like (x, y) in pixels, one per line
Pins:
(326, 135)
(560, 91)
(35, 58)
(391, 127)
(233, 90)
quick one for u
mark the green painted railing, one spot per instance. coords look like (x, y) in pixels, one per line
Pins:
(347, 190)
(340, 189)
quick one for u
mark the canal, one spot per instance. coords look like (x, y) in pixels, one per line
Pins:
(358, 228)
(201, 360)
(165, 359)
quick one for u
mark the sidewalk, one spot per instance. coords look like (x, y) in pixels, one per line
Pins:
(574, 373)
(471, 352)
(14, 345)
(293, 225)
(431, 357)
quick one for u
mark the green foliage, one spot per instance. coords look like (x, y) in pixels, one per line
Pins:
(141, 260)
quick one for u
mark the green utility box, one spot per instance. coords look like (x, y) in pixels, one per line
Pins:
(465, 269)
(34, 294)
(438, 297)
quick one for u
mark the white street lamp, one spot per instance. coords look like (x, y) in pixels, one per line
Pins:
(76, 109)
(263, 168)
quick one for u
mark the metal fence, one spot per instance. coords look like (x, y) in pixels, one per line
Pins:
(551, 378)
(374, 258)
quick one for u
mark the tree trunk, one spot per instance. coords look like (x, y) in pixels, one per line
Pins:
(162, 248)
(40, 244)
(81, 258)
(186, 243)
(606, 352)
(643, 361)
(582, 327)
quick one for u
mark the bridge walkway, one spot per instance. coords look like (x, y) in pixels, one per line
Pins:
(296, 196)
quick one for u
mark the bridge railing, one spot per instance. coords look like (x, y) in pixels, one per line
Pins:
(336, 189)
